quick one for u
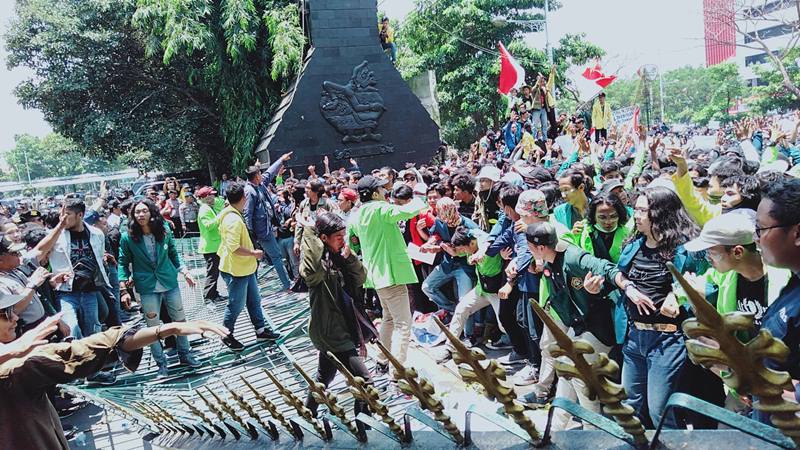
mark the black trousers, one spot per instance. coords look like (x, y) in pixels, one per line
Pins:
(598, 133)
(212, 275)
(508, 318)
(326, 371)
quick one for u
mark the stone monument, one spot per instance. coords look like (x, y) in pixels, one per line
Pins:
(349, 101)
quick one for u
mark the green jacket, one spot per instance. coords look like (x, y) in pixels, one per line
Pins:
(565, 214)
(699, 209)
(145, 273)
(209, 226)
(328, 328)
(575, 307)
(585, 240)
(382, 245)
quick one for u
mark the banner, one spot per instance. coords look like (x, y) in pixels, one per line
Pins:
(623, 115)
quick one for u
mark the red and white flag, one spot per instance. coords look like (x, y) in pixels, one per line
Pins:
(596, 74)
(512, 75)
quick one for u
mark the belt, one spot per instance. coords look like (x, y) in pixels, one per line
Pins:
(663, 327)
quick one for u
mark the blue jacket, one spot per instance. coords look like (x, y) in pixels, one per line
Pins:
(512, 139)
(526, 281)
(450, 263)
(683, 260)
(260, 207)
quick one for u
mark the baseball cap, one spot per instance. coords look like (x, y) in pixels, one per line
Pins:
(8, 298)
(611, 184)
(205, 191)
(349, 194)
(29, 216)
(420, 188)
(532, 203)
(370, 183)
(725, 229)
(91, 217)
(490, 172)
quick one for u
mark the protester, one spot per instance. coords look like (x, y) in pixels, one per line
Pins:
(149, 261)
(335, 277)
(238, 264)
(388, 266)
(208, 226)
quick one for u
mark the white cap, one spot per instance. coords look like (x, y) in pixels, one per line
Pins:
(778, 165)
(490, 172)
(726, 229)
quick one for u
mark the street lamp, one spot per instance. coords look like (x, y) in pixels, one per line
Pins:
(502, 21)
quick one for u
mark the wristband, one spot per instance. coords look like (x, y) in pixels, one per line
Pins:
(31, 286)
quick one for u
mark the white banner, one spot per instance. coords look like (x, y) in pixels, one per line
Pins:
(623, 115)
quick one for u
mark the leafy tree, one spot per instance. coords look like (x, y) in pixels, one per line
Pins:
(51, 156)
(458, 39)
(167, 84)
(774, 95)
(691, 94)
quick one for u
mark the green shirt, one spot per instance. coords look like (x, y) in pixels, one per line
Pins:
(209, 226)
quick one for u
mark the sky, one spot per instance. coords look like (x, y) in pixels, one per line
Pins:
(633, 33)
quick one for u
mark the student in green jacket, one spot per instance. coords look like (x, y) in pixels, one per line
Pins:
(149, 261)
(605, 228)
(578, 285)
(389, 268)
(573, 187)
(210, 206)
(473, 244)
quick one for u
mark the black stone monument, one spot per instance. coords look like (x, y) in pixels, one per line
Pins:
(348, 100)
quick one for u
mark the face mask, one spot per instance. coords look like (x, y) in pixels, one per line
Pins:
(600, 227)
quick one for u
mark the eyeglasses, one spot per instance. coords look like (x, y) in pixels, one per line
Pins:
(759, 230)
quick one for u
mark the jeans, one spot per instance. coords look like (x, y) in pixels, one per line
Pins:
(392, 47)
(539, 121)
(286, 246)
(326, 371)
(469, 304)
(653, 362)
(151, 306)
(507, 317)
(210, 291)
(270, 247)
(242, 291)
(80, 312)
(396, 323)
(438, 278)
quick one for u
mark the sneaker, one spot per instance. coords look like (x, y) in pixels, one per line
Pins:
(534, 400)
(527, 375)
(381, 368)
(232, 343)
(500, 344)
(441, 354)
(189, 360)
(267, 335)
(101, 379)
(511, 359)
(163, 370)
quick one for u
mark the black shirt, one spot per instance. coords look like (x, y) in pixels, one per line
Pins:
(751, 297)
(467, 209)
(650, 274)
(83, 262)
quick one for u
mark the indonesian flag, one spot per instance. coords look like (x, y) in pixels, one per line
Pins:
(592, 73)
(596, 74)
(512, 75)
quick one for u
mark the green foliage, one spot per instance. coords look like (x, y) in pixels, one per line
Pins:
(774, 95)
(691, 94)
(241, 50)
(51, 156)
(433, 37)
(167, 84)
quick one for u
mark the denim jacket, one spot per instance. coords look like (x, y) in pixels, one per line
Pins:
(259, 209)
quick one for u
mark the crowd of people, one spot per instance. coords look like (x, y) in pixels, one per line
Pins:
(540, 209)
